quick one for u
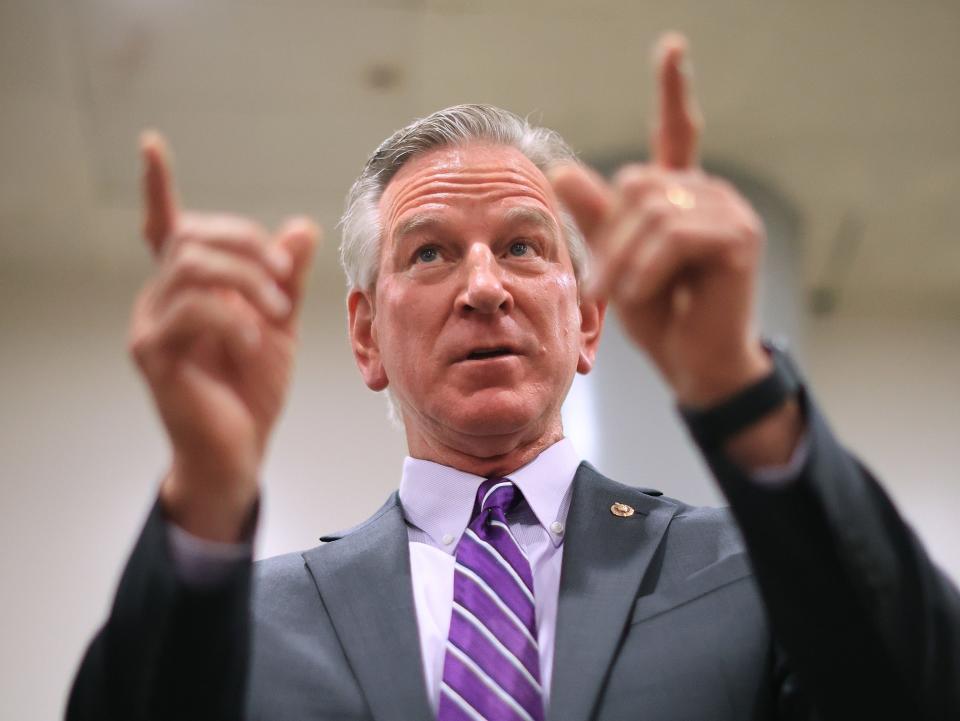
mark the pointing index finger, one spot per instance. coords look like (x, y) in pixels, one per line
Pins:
(159, 197)
(677, 127)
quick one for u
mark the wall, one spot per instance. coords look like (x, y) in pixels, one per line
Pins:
(81, 452)
(891, 388)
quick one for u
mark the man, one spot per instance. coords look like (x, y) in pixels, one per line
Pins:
(507, 580)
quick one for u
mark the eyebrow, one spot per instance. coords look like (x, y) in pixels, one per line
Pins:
(416, 224)
(514, 216)
(534, 216)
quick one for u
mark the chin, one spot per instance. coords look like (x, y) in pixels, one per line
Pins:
(491, 412)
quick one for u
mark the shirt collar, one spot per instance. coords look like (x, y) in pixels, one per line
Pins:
(438, 499)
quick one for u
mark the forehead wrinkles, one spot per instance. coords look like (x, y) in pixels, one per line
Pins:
(490, 183)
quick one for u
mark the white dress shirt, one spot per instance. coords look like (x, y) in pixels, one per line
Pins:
(437, 502)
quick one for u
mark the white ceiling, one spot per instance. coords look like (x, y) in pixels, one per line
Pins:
(850, 109)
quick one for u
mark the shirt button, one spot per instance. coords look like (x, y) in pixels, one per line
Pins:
(447, 539)
(556, 527)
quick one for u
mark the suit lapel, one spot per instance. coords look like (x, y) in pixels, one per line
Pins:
(605, 558)
(364, 581)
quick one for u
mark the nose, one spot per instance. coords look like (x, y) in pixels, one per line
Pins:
(483, 290)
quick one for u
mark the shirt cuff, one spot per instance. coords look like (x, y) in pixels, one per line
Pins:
(203, 564)
(789, 471)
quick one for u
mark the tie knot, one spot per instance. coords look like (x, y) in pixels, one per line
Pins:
(498, 493)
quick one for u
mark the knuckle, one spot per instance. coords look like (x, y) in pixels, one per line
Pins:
(189, 226)
(189, 265)
(135, 348)
(184, 235)
(184, 270)
(658, 212)
(250, 230)
(741, 259)
(749, 228)
(236, 230)
(633, 182)
(675, 235)
(740, 247)
(747, 231)
(629, 175)
(188, 304)
(626, 292)
(235, 222)
(140, 346)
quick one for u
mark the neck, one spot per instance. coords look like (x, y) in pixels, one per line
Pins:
(486, 456)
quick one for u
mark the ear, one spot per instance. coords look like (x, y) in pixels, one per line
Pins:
(592, 313)
(363, 340)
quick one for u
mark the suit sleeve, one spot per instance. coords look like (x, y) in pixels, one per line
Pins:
(167, 650)
(867, 623)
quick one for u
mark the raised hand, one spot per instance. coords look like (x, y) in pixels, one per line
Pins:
(214, 333)
(676, 251)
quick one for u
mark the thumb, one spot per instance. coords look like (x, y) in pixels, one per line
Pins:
(585, 194)
(299, 238)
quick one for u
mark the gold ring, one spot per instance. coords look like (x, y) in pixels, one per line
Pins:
(681, 197)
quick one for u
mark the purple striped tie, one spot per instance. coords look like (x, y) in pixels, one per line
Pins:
(491, 671)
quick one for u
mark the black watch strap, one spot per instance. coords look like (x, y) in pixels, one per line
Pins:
(710, 427)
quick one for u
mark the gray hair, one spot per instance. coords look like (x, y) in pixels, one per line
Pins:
(457, 125)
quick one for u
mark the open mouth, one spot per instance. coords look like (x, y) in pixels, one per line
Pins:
(486, 353)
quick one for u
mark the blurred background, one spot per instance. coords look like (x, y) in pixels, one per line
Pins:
(839, 120)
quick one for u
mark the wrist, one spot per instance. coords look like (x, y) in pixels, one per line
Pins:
(207, 505)
(770, 441)
(721, 379)
(758, 425)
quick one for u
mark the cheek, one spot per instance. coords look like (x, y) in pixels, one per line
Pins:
(560, 320)
(567, 306)
(408, 327)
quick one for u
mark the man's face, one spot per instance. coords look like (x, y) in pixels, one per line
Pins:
(475, 322)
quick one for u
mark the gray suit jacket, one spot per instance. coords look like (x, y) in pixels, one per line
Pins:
(835, 613)
(339, 620)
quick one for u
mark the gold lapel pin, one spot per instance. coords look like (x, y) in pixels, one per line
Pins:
(621, 510)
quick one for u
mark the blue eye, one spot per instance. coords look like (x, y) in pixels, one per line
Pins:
(518, 249)
(427, 255)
